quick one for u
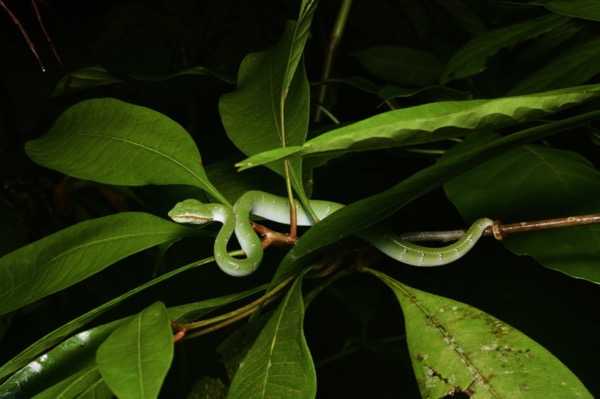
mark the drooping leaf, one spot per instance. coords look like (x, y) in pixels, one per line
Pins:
(457, 348)
(402, 65)
(135, 358)
(472, 57)
(279, 364)
(113, 142)
(70, 255)
(534, 183)
(270, 107)
(431, 122)
(586, 9)
(374, 209)
(575, 66)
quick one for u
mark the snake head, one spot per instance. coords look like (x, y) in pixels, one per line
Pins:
(191, 211)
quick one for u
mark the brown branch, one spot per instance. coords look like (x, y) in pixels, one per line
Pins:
(16, 21)
(47, 36)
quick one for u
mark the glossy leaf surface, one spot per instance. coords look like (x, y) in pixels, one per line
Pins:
(457, 348)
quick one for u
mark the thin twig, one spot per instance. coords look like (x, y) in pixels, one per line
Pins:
(16, 21)
(47, 36)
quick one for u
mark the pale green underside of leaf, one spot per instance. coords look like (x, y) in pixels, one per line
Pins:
(136, 357)
(534, 183)
(430, 122)
(472, 57)
(113, 142)
(279, 364)
(454, 345)
(70, 255)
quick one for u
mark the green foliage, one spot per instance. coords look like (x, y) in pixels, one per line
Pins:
(492, 113)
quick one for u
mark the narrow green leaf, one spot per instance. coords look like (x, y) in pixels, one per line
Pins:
(69, 365)
(279, 364)
(550, 183)
(369, 211)
(586, 9)
(431, 122)
(135, 358)
(74, 385)
(455, 348)
(575, 66)
(472, 57)
(70, 255)
(402, 65)
(270, 108)
(113, 142)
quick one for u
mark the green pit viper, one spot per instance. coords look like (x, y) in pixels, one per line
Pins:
(277, 209)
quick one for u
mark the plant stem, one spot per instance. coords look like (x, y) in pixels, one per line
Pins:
(331, 51)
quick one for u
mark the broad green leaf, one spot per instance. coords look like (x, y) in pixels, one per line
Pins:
(374, 209)
(270, 107)
(456, 348)
(402, 65)
(75, 253)
(113, 142)
(586, 9)
(96, 75)
(431, 122)
(575, 66)
(135, 358)
(472, 57)
(532, 183)
(279, 364)
(58, 368)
